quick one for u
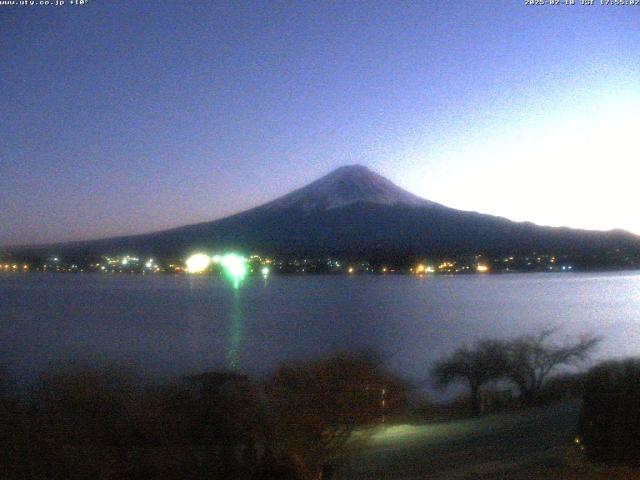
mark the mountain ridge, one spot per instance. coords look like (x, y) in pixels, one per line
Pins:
(353, 211)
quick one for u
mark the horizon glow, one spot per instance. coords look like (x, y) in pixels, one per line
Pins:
(574, 167)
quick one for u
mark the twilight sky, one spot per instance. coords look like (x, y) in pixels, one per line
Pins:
(123, 117)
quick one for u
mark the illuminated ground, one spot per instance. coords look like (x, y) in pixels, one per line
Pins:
(526, 445)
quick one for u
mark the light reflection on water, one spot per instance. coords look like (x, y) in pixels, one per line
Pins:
(235, 330)
(172, 325)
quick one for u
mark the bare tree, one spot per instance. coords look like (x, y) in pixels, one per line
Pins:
(486, 361)
(315, 407)
(531, 358)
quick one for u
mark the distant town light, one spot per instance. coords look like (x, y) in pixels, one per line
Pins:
(482, 268)
(265, 271)
(216, 259)
(197, 263)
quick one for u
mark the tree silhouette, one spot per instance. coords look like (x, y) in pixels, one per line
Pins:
(485, 361)
(531, 358)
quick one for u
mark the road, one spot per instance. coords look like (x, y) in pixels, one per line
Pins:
(508, 446)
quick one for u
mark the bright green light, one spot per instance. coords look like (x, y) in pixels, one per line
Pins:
(234, 265)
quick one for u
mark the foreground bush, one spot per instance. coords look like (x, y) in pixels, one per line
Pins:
(313, 409)
(564, 386)
(108, 424)
(100, 424)
(610, 419)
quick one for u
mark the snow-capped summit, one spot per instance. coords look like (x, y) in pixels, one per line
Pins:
(344, 186)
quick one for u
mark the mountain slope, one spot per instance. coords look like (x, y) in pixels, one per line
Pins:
(357, 213)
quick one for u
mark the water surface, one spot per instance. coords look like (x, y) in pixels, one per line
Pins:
(168, 325)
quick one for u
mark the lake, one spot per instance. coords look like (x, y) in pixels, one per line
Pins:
(170, 325)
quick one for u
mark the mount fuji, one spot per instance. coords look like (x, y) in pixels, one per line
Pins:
(354, 212)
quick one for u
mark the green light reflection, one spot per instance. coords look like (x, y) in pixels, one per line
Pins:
(235, 331)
